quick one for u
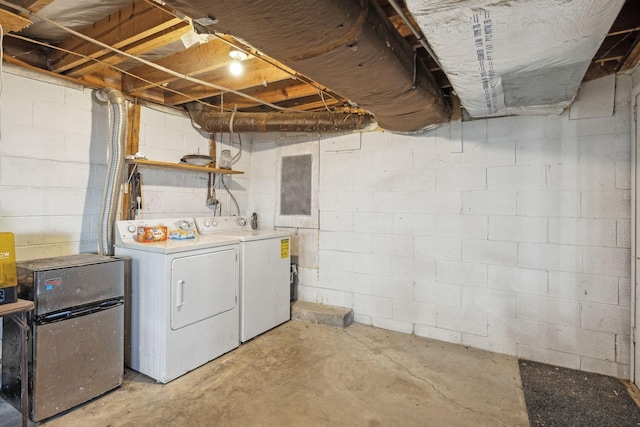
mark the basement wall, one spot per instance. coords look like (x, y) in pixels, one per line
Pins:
(53, 154)
(519, 244)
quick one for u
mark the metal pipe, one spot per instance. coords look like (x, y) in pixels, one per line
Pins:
(115, 164)
(323, 122)
(418, 34)
(349, 46)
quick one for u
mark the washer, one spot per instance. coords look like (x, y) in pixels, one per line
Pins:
(184, 298)
(264, 272)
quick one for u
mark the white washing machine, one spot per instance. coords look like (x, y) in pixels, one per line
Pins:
(184, 298)
(264, 272)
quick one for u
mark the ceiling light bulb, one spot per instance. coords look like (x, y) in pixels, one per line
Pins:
(236, 68)
(238, 55)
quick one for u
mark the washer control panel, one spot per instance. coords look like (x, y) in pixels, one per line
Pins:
(213, 224)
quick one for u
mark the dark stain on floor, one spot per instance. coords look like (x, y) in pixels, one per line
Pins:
(565, 397)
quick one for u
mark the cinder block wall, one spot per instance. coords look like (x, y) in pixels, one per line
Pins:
(53, 155)
(51, 167)
(519, 244)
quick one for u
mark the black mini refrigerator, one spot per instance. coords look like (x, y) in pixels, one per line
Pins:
(76, 341)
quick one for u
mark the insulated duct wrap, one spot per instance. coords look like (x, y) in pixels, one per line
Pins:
(322, 122)
(348, 46)
(115, 163)
(515, 57)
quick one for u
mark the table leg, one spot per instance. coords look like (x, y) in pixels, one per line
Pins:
(24, 389)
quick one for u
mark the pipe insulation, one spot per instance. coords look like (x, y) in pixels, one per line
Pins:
(323, 122)
(349, 46)
(115, 163)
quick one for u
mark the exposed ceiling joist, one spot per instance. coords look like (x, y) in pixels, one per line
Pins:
(132, 24)
(284, 90)
(32, 5)
(12, 22)
(147, 30)
(257, 73)
(633, 58)
(196, 60)
(138, 48)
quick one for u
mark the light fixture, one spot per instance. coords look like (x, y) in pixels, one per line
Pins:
(238, 55)
(236, 68)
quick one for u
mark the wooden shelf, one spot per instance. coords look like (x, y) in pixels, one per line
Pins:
(181, 166)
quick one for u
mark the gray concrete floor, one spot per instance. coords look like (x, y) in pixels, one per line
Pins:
(303, 374)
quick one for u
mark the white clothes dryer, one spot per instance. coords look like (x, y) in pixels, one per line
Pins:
(184, 298)
(264, 272)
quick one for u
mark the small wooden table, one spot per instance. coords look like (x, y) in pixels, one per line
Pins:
(17, 311)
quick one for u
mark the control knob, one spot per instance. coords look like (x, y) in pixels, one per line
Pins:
(131, 228)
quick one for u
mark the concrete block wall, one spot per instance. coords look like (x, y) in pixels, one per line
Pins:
(52, 166)
(520, 244)
(53, 156)
(53, 162)
(166, 136)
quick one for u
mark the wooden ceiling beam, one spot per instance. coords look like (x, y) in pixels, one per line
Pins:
(124, 27)
(633, 58)
(625, 31)
(87, 81)
(277, 92)
(306, 104)
(139, 48)
(32, 5)
(303, 105)
(196, 60)
(400, 26)
(11, 22)
(256, 72)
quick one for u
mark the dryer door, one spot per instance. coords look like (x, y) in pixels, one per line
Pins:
(203, 286)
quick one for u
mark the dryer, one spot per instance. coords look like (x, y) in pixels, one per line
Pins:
(184, 298)
(265, 290)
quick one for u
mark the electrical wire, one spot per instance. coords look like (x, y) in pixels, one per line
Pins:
(114, 67)
(235, 158)
(235, 202)
(322, 98)
(144, 61)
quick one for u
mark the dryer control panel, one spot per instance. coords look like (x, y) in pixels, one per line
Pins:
(215, 224)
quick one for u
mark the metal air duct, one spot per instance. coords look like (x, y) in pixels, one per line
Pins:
(323, 122)
(115, 164)
(346, 45)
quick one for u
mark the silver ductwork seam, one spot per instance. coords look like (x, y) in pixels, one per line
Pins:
(115, 163)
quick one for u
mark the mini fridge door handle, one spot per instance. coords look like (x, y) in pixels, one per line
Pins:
(179, 293)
